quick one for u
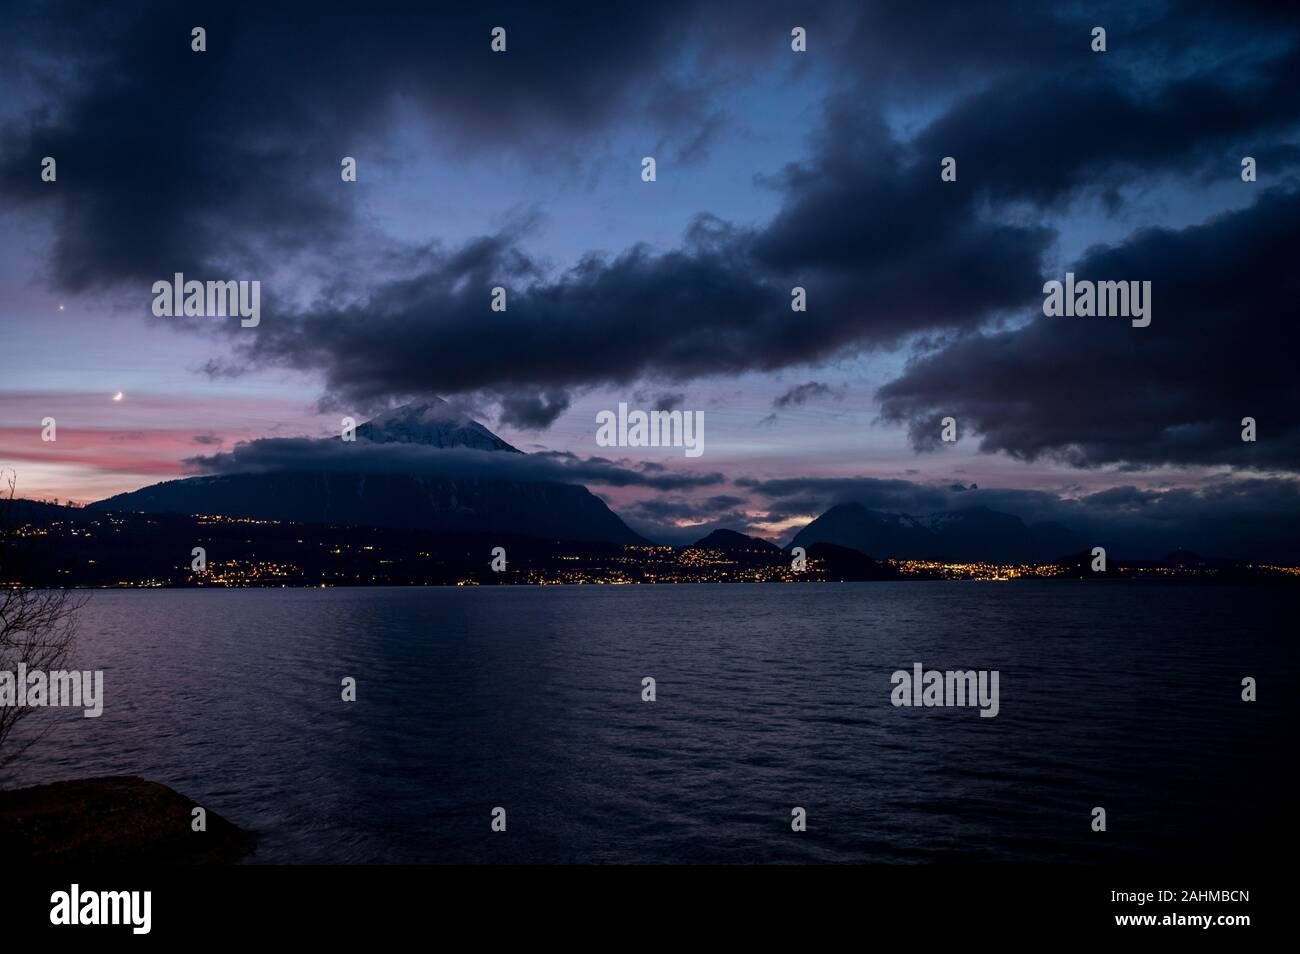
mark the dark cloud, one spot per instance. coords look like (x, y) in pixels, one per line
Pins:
(362, 456)
(1091, 391)
(663, 401)
(171, 160)
(865, 224)
(866, 227)
(1093, 131)
(665, 509)
(866, 244)
(533, 411)
(605, 320)
(886, 250)
(801, 394)
(804, 496)
(675, 520)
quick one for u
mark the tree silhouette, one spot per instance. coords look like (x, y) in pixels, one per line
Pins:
(37, 626)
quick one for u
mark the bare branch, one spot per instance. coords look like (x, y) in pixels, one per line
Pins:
(38, 628)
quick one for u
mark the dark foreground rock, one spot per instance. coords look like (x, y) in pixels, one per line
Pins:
(116, 820)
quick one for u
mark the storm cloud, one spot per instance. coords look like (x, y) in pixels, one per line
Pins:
(229, 159)
(1093, 391)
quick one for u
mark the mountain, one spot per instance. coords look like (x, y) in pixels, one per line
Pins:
(542, 509)
(1184, 557)
(847, 565)
(480, 505)
(730, 541)
(973, 534)
(433, 423)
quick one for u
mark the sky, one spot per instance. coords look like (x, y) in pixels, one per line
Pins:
(775, 168)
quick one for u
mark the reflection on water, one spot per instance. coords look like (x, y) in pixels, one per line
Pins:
(768, 697)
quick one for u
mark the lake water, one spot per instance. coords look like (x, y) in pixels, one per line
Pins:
(1125, 696)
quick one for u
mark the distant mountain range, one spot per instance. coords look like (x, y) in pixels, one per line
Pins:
(853, 538)
(542, 509)
(974, 534)
(389, 497)
(78, 546)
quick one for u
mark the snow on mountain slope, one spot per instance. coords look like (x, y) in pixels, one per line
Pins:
(433, 423)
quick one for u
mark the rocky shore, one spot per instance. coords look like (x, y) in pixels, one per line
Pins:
(115, 820)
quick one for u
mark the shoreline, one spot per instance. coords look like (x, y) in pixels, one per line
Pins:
(115, 819)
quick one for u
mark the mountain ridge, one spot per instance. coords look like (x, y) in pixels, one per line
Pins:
(487, 504)
(733, 540)
(432, 423)
(971, 534)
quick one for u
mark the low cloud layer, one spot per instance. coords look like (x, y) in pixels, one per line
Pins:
(313, 454)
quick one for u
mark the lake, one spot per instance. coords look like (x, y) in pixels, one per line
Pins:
(768, 697)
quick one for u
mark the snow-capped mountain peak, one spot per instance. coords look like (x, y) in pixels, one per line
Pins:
(434, 423)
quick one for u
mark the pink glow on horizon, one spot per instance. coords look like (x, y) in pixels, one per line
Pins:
(105, 446)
